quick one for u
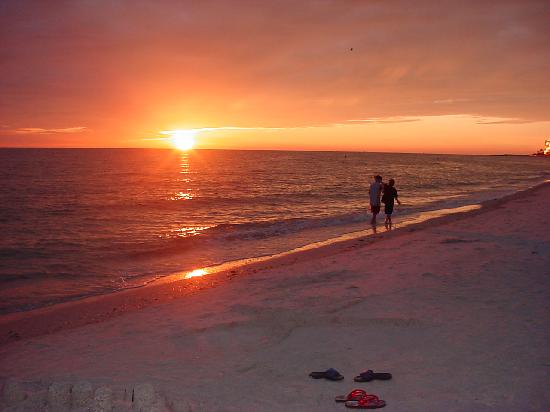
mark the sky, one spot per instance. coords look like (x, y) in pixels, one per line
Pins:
(432, 76)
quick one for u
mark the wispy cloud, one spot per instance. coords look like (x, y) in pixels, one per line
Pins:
(510, 120)
(210, 129)
(345, 123)
(452, 101)
(40, 130)
(391, 119)
(170, 133)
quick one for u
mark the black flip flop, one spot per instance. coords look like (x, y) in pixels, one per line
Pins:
(369, 375)
(330, 374)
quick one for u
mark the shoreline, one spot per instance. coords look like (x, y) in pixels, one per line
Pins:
(455, 308)
(98, 308)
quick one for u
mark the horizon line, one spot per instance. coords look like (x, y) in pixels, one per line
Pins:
(257, 150)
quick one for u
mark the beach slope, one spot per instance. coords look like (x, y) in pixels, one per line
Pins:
(458, 312)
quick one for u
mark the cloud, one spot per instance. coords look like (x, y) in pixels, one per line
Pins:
(350, 122)
(345, 123)
(171, 133)
(505, 121)
(452, 101)
(39, 130)
(391, 119)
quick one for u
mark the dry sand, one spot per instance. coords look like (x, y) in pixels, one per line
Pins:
(458, 310)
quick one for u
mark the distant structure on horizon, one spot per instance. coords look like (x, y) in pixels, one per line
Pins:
(544, 151)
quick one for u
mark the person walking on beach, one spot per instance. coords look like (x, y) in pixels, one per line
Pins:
(375, 191)
(388, 198)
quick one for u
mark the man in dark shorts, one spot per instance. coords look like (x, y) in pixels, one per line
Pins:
(375, 191)
(390, 194)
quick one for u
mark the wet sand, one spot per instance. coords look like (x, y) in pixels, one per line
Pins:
(456, 308)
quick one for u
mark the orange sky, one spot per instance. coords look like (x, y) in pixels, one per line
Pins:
(439, 76)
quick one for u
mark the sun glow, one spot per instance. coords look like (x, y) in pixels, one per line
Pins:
(182, 139)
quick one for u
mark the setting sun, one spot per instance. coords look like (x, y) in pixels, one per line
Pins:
(182, 139)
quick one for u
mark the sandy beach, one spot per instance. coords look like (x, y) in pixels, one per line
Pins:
(457, 309)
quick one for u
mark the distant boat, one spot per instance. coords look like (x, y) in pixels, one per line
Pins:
(545, 151)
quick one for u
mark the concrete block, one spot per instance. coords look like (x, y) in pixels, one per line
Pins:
(103, 399)
(59, 396)
(36, 401)
(143, 397)
(122, 408)
(12, 392)
(197, 406)
(12, 408)
(123, 393)
(82, 395)
(180, 406)
(159, 405)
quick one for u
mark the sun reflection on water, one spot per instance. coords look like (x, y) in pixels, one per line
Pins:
(186, 192)
(182, 196)
(184, 164)
(196, 273)
(190, 230)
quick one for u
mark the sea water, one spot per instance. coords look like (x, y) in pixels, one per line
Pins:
(79, 222)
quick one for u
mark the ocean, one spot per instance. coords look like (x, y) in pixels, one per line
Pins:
(81, 222)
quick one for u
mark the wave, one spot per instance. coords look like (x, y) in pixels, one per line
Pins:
(190, 200)
(232, 232)
(258, 230)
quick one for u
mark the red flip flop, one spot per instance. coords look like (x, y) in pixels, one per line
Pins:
(366, 402)
(354, 395)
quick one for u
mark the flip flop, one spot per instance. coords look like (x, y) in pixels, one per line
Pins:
(369, 375)
(330, 374)
(366, 403)
(354, 395)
